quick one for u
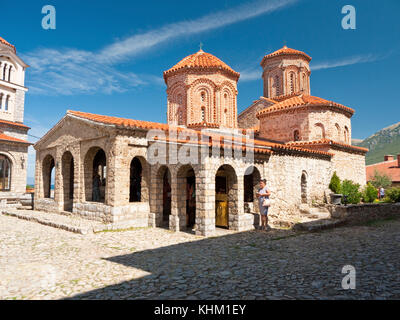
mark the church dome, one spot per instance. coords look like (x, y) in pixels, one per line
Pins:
(284, 51)
(201, 61)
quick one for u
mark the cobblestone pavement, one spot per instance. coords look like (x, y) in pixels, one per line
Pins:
(40, 262)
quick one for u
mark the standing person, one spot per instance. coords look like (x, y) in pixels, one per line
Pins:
(96, 187)
(381, 193)
(262, 194)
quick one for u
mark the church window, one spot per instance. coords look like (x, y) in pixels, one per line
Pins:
(292, 82)
(296, 135)
(4, 71)
(1, 101)
(277, 87)
(6, 104)
(203, 96)
(9, 74)
(203, 114)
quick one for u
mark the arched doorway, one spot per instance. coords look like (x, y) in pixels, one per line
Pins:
(48, 172)
(187, 195)
(304, 187)
(135, 189)
(67, 171)
(252, 179)
(163, 201)
(5, 173)
(95, 167)
(226, 191)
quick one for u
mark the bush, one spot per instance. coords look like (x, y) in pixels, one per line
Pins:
(369, 193)
(351, 190)
(393, 195)
(334, 185)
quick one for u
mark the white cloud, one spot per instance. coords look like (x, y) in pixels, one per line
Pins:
(348, 61)
(71, 71)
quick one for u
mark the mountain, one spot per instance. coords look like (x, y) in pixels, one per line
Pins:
(383, 142)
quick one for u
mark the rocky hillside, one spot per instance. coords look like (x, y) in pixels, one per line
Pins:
(385, 141)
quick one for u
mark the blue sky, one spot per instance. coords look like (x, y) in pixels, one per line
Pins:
(107, 57)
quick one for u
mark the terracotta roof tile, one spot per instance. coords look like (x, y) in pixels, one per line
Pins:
(3, 41)
(4, 137)
(130, 123)
(286, 51)
(201, 60)
(391, 168)
(11, 123)
(327, 142)
(302, 100)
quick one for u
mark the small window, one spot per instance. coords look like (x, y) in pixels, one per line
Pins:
(203, 96)
(6, 104)
(203, 114)
(296, 135)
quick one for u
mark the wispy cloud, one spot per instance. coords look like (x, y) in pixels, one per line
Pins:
(348, 61)
(71, 71)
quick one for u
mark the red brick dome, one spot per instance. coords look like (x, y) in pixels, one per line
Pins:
(286, 51)
(201, 60)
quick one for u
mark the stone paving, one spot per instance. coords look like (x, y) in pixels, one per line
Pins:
(41, 262)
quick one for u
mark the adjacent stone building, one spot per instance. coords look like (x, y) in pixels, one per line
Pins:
(13, 132)
(202, 168)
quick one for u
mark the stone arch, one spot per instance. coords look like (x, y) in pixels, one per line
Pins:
(67, 173)
(346, 134)
(6, 167)
(226, 196)
(48, 171)
(177, 109)
(304, 180)
(186, 197)
(199, 86)
(139, 180)
(338, 132)
(319, 130)
(227, 106)
(251, 181)
(164, 199)
(95, 162)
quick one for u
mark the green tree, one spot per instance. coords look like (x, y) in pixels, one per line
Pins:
(393, 195)
(370, 193)
(381, 180)
(351, 190)
(334, 185)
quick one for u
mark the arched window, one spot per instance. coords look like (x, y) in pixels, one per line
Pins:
(4, 71)
(292, 82)
(5, 173)
(277, 86)
(203, 114)
(1, 101)
(319, 131)
(296, 135)
(6, 104)
(337, 132)
(203, 96)
(346, 135)
(304, 82)
(9, 74)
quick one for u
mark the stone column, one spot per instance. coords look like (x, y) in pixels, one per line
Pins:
(174, 217)
(205, 201)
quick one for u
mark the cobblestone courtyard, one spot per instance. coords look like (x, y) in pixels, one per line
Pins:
(40, 262)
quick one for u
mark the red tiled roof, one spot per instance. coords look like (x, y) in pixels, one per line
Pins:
(391, 168)
(17, 124)
(3, 41)
(201, 60)
(147, 125)
(4, 137)
(286, 51)
(302, 100)
(327, 142)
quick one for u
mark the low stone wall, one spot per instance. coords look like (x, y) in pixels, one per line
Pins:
(137, 214)
(360, 213)
(46, 205)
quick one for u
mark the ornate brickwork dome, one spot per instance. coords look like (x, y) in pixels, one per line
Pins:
(3, 41)
(285, 51)
(201, 61)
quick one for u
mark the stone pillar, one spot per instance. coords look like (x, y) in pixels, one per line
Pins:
(58, 181)
(205, 201)
(174, 217)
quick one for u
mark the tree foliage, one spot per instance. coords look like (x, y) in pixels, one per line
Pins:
(351, 190)
(381, 180)
(335, 184)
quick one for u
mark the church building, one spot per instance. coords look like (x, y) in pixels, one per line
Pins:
(110, 169)
(13, 132)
